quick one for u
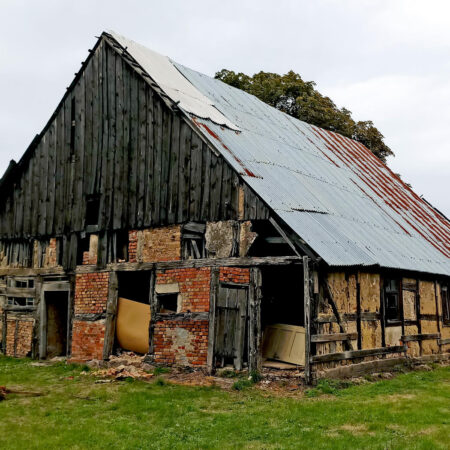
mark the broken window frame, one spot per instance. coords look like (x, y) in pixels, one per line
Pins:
(20, 301)
(393, 290)
(193, 242)
(445, 298)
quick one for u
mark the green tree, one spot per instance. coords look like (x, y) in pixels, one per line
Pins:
(298, 98)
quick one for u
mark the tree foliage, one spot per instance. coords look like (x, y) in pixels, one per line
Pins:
(298, 98)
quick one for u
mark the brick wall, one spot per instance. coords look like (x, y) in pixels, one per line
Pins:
(132, 246)
(184, 342)
(91, 293)
(91, 296)
(19, 337)
(87, 340)
(194, 286)
(156, 244)
(234, 275)
(181, 343)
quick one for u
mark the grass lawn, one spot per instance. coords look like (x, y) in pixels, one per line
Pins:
(409, 411)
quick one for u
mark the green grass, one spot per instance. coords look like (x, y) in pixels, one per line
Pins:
(409, 411)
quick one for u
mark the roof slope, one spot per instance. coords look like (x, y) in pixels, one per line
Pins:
(332, 191)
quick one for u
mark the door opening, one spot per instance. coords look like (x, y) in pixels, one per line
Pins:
(57, 307)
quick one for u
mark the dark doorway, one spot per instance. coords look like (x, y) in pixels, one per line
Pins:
(57, 304)
(282, 292)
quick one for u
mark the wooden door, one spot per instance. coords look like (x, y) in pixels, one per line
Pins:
(231, 325)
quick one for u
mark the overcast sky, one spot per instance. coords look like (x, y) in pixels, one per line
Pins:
(385, 60)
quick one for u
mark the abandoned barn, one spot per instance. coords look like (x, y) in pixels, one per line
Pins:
(164, 212)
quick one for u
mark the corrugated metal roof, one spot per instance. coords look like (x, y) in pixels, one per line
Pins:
(332, 191)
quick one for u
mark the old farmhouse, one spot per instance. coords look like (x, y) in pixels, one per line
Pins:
(164, 212)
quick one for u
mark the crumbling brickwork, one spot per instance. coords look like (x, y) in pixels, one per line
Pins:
(19, 337)
(181, 343)
(155, 244)
(90, 257)
(234, 275)
(91, 293)
(132, 246)
(87, 340)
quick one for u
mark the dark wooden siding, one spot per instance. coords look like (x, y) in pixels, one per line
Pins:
(143, 161)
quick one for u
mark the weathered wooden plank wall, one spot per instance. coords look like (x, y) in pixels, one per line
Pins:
(113, 138)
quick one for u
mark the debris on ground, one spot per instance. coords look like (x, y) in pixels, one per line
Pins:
(122, 372)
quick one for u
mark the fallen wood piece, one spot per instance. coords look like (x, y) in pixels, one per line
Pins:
(4, 391)
(358, 354)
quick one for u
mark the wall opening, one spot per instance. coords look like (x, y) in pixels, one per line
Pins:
(268, 241)
(282, 315)
(133, 312)
(57, 308)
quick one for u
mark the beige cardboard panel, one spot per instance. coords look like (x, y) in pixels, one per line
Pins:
(284, 343)
(132, 326)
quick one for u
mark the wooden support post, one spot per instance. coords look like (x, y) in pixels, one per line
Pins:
(254, 313)
(307, 314)
(153, 301)
(111, 314)
(214, 285)
(358, 311)
(5, 314)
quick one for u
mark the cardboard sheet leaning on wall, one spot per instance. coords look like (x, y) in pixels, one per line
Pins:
(132, 326)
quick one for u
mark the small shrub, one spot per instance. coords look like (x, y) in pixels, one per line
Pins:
(227, 373)
(161, 382)
(242, 384)
(330, 387)
(160, 370)
(255, 376)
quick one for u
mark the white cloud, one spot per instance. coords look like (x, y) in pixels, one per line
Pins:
(386, 60)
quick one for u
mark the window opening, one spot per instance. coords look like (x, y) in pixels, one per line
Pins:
(20, 301)
(168, 303)
(392, 301)
(193, 240)
(92, 210)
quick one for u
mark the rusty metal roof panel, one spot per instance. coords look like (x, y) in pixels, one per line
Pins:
(333, 192)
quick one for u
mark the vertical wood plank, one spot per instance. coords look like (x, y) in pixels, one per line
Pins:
(111, 315)
(214, 285)
(173, 171)
(307, 313)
